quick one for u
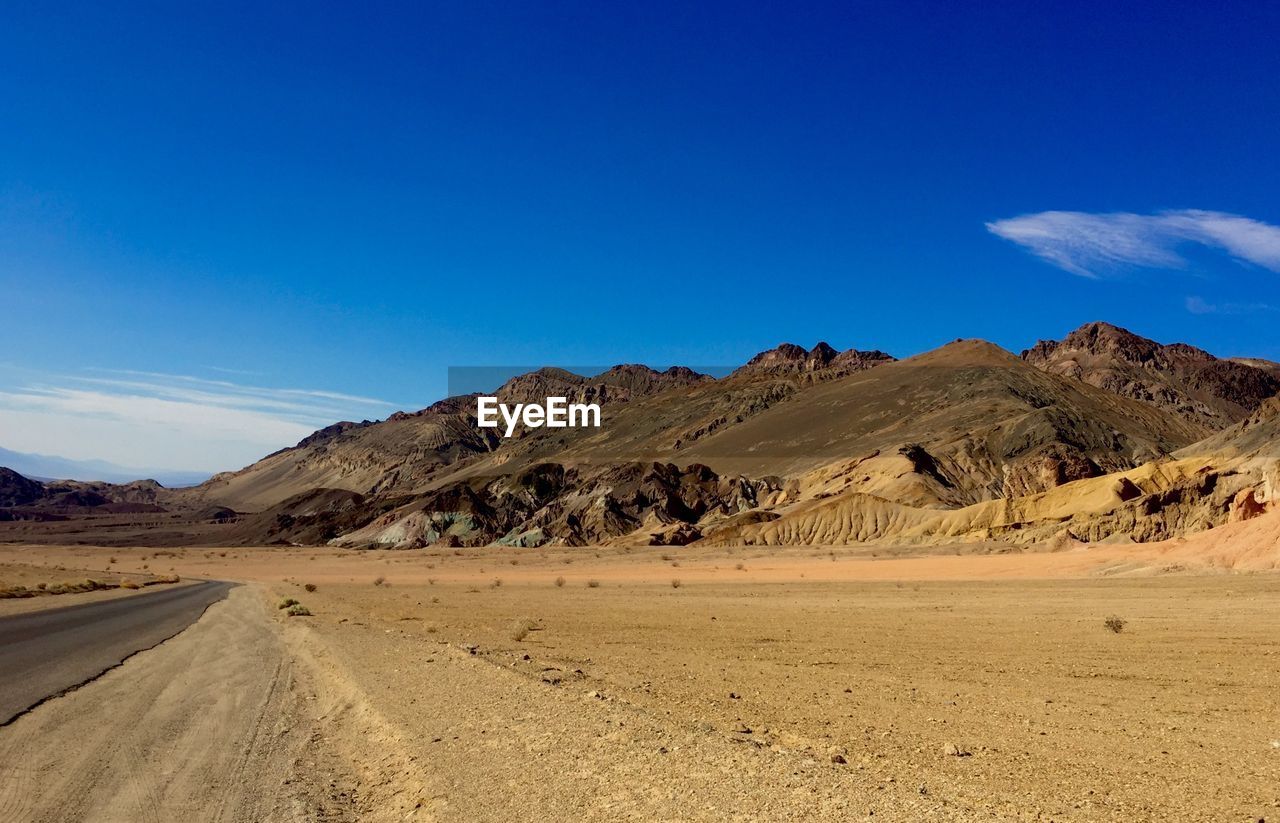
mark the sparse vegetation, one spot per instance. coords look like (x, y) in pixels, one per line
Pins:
(559, 582)
(380, 581)
(675, 583)
(298, 610)
(78, 587)
(310, 587)
(1115, 623)
(288, 602)
(742, 567)
(521, 628)
(593, 584)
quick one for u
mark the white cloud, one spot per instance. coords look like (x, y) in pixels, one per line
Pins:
(167, 421)
(1090, 244)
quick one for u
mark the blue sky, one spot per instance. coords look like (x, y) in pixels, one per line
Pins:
(222, 225)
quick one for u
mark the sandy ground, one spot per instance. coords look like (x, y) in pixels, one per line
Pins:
(689, 565)
(633, 701)
(463, 687)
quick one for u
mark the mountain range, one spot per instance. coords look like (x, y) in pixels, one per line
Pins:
(1103, 435)
(49, 467)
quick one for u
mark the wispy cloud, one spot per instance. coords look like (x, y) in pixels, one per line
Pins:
(1198, 305)
(167, 421)
(240, 372)
(1090, 245)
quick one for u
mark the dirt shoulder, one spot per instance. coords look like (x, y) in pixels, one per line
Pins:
(207, 726)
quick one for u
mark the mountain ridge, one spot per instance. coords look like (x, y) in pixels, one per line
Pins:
(1100, 434)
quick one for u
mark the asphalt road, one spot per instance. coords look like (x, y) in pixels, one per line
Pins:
(43, 654)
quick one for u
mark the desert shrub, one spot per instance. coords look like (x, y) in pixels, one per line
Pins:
(1115, 623)
(310, 587)
(380, 581)
(521, 628)
(593, 584)
(288, 602)
(675, 583)
(298, 610)
(559, 582)
(742, 567)
(497, 582)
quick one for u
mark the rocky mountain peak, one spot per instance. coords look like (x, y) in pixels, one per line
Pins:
(788, 358)
(1175, 376)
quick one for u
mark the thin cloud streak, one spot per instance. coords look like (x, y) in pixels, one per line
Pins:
(1198, 305)
(253, 390)
(1091, 245)
(167, 421)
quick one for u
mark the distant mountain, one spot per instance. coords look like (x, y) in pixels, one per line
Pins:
(1182, 379)
(964, 425)
(48, 467)
(1102, 435)
(822, 362)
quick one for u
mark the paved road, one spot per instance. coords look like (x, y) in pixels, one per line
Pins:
(45, 653)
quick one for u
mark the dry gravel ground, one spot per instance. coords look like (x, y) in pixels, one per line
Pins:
(948, 701)
(732, 697)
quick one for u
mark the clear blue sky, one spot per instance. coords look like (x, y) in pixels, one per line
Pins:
(350, 198)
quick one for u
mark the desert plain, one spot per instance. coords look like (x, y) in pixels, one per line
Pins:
(675, 683)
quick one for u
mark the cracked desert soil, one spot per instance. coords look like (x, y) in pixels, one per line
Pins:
(739, 695)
